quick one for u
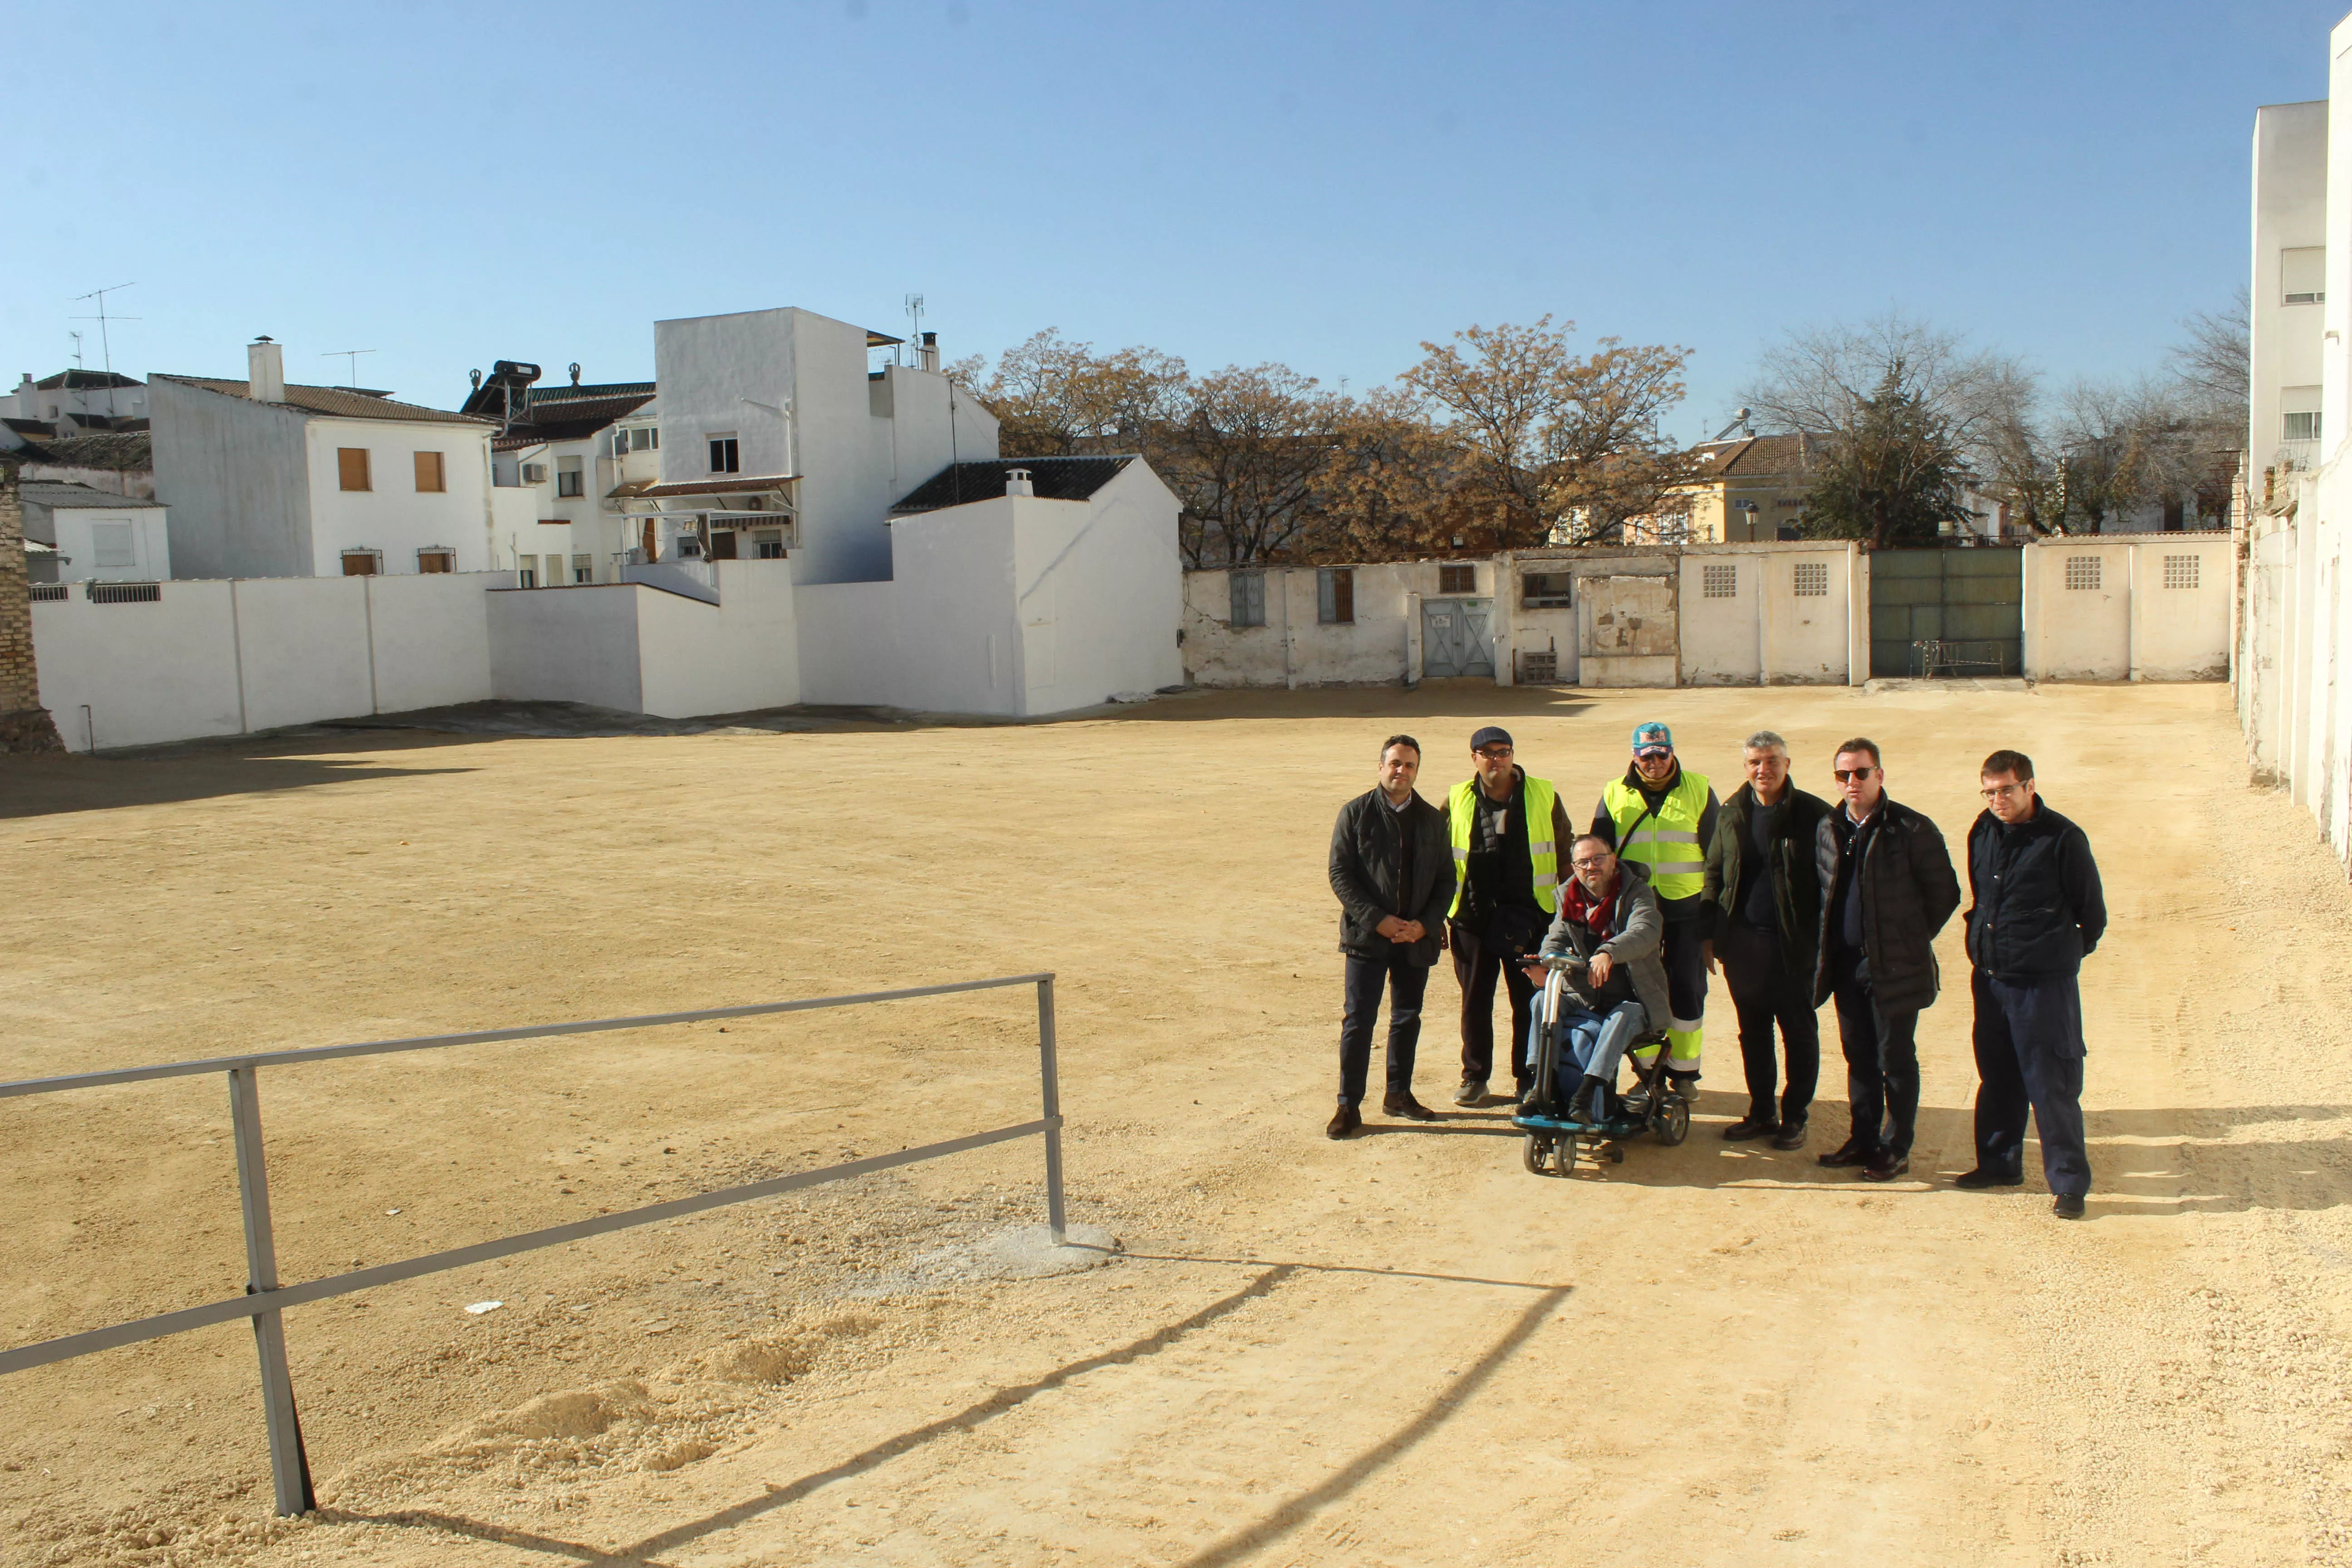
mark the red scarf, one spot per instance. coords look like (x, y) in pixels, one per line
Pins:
(1587, 908)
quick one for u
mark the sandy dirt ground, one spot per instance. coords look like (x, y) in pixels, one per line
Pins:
(1398, 1350)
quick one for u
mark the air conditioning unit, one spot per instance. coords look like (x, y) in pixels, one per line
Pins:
(534, 473)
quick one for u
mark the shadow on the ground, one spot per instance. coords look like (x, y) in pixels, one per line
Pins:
(1231, 1547)
(50, 786)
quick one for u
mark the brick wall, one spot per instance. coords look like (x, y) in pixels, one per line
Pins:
(24, 724)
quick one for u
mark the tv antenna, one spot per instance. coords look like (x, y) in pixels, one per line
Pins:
(915, 309)
(77, 348)
(352, 355)
(105, 345)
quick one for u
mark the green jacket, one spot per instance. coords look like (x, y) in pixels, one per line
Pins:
(1796, 889)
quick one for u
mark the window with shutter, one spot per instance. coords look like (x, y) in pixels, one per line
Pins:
(1335, 595)
(351, 468)
(431, 480)
(1248, 597)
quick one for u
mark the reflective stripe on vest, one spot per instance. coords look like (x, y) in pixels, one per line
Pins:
(1665, 842)
(1544, 853)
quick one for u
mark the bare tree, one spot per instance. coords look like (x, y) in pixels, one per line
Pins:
(1053, 397)
(1545, 436)
(1247, 455)
(1820, 380)
(2214, 361)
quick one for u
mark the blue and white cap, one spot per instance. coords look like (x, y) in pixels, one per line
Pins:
(1653, 736)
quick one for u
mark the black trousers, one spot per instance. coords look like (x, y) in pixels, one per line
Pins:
(1882, 1057)
(2028, 1041)
(1404, 981)
(1766, 991)
(1476, 966)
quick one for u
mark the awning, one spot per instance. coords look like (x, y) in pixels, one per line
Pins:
(722, 485)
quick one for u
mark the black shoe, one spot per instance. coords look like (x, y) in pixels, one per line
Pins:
(1472, 1091)
(1885, 1166)
(1406, 1106)
(1751, 1126)
(1853, 1152)
(1588, 1103)
(1792, 1135)
(2067, 1206)
(1343, 1121)
(1976, 1181)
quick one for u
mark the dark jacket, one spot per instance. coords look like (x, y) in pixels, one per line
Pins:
(1366, 851)
(1796, 884)
(1640, 931)
(1908, 890)
(2035, 907)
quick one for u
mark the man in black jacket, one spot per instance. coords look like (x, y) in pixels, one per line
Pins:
(2035, 912)
(1887, 887)
(1393, 869)
(1763, 903)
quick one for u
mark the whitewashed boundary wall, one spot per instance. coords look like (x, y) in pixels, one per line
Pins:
(233, 657)
(2295, 709)
(1780, 614)
(211, 658)
(2128, 607)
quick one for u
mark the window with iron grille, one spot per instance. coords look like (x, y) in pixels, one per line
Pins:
(1248, 599)
(2082, 572)
(2180, 571)
(1548, 590)
(1457, 579)
(1812, 579)
(1718, 582)
(1335, 595)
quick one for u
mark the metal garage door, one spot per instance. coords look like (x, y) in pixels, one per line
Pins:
(1969, 604)
(1457, 637)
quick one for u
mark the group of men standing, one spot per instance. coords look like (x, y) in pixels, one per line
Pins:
(1798, 901)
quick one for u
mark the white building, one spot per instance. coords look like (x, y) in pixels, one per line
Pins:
(75, 534)
(777, 435)
(268, 479)
(1017, 586)
(2287, 291)
(72, 402)
(579, 452)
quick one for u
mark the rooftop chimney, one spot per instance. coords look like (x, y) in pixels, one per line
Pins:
(265, 365)
(927, 353)
(1016, 483)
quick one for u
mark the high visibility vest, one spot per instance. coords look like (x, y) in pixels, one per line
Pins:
(1666, 841)
(1542, 849)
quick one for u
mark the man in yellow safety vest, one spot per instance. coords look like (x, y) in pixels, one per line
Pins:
(1663, 815)
(1508, 831)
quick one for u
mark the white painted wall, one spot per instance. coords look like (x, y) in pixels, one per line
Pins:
(394, 517)
(1765, 633)
(231, 657)
(74, 531)
(576, 646)
(235, 477)
(1100, 584)
(734, 656)
(2131, 626)
(1379, 648)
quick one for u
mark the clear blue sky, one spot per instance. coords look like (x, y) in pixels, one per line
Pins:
(1323, 185)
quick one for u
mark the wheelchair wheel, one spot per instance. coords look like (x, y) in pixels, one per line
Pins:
(1673, 1122)
(1566, 1155)
(1536, 1153)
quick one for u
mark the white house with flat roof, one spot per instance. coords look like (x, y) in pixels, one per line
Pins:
(569, 457)
(2287, 292)
(266, 479)
(777, 434)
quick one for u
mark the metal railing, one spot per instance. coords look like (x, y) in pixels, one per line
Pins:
(1932, 657)
(124, 593)
(50, 593)
(266, 1299)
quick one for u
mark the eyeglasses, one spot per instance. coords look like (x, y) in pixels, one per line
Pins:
(2002, 791)
(1592, 865)
(1494, 753)
(1845, 774)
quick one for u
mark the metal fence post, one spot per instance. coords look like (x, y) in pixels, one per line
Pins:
(289, 1466)
(1049, 1073)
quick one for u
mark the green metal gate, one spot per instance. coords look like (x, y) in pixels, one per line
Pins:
(1959, 611)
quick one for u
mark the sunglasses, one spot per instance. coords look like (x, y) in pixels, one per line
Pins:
(1845, 774)
(1651, 753)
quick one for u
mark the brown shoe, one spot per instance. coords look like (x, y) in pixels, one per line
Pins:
(1343, 1121)
(1406, 1106)
(1853, 1152)
(1885, 1166)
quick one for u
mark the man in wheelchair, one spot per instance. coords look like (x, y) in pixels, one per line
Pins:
(1604, 943)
